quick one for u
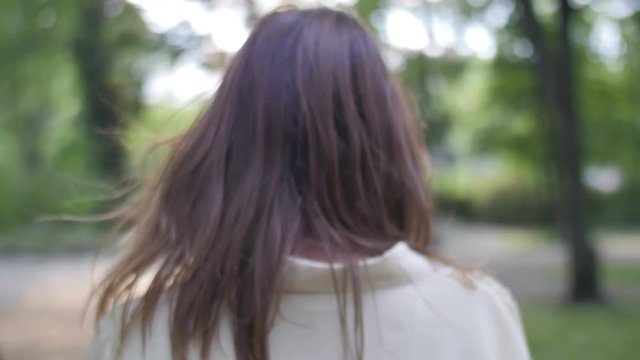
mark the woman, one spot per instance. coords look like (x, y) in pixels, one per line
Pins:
(292, 222)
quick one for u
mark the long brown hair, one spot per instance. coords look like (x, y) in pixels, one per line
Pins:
(308, 141)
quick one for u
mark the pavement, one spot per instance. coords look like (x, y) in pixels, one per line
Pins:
(42, 301)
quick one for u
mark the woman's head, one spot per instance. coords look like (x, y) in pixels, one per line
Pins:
(307, 142)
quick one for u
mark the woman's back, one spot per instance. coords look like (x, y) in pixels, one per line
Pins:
(307, 149)
(413, 308)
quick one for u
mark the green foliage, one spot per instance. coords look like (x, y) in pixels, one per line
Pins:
(158, 124)
(487, 130)
(34, 95)
(46, 156)
(51, 236)
(495, 110)
(508, 196)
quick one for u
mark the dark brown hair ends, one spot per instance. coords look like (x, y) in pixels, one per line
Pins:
(307, 142)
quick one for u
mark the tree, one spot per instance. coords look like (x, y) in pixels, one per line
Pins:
(72, 74)
(557, 80)
(108, 48)
(101, 103)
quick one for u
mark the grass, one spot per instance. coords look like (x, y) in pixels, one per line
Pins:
(584, 332)
(608, 332)
(623, 274)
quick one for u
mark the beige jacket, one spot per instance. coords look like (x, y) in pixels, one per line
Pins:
(414, 308)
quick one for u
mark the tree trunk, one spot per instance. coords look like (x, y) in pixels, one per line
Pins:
(101, 103)
(558, 84)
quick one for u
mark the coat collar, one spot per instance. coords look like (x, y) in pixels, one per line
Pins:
(397, 266)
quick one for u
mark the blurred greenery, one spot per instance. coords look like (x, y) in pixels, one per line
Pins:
(589, 332)
(487, 132)
(75, 119)
(622, 274)
(52, 236)
(582, 333)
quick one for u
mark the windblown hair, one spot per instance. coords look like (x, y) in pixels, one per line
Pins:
(307, 143)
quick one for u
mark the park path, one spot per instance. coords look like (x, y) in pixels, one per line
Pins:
(42, 296)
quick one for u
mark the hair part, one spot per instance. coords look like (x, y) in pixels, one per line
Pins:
(307, 142)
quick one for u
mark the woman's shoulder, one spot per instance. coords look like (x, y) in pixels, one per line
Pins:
(448, 288)
(442, 281)
(474, 308)
(458, 284)
(152, 342)
(475, 302)
(109, 343)
(444, 287)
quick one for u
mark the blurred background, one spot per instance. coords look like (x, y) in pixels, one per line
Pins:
(533, 125)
